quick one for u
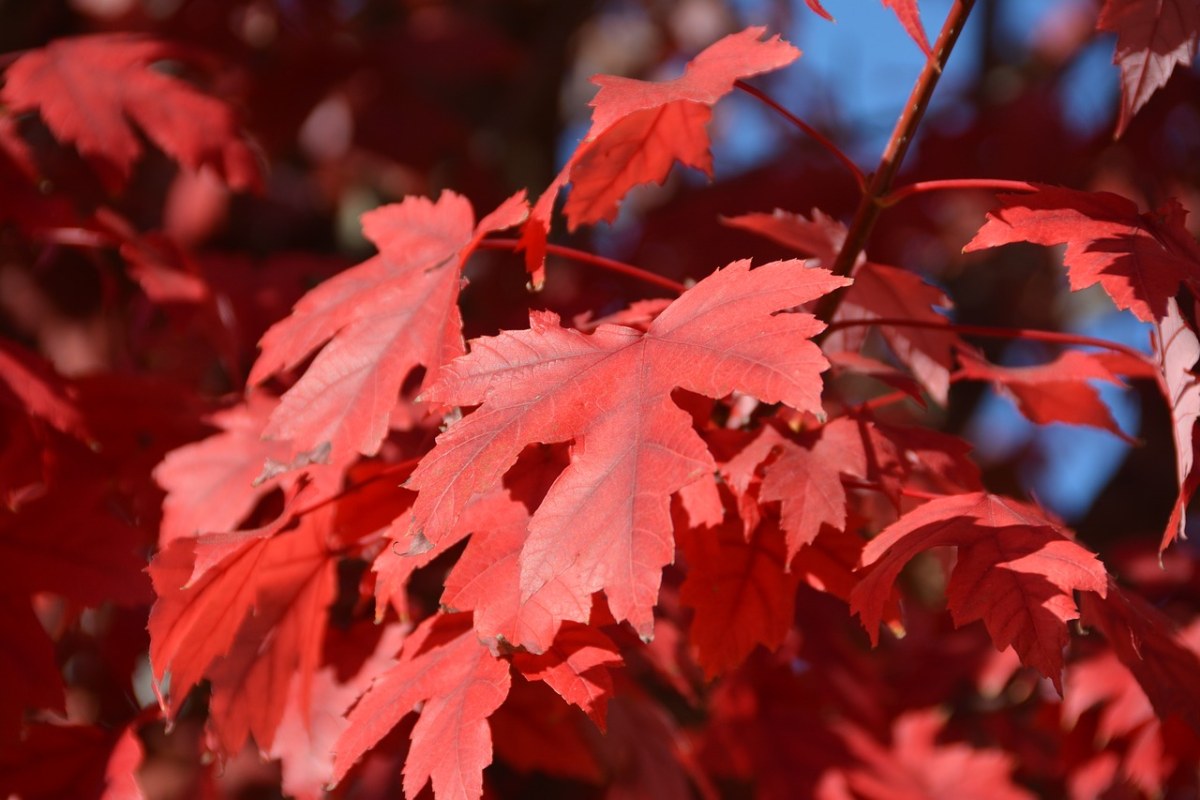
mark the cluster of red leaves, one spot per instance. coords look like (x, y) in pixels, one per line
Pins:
(609, 552)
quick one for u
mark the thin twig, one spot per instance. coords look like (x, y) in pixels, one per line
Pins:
(869, 206)
(591, 259)
(817, 136)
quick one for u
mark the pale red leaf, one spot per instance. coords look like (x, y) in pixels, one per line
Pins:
(1016, 571)
(1139, 259)
(90, 89)
(605, 524)
(806, 479)
(740, 590)
(1176, 350)
(577, 666)
(1058, 391)
(1153, 37)
(458, 684)
(210, 484)
(375, 323)
(487, 578)
(305, 739)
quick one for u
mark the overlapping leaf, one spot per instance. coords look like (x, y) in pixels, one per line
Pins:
(605, 523)
(1016, 571)
(740, 590)
(258, 612)
(88, 90)
(458, 684)
(1139, 259)
(377, 322)
(1176, 350)
(1153, 37)
(640, 129)
(1059, 391)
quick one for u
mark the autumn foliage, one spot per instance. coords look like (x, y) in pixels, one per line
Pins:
(355, 446)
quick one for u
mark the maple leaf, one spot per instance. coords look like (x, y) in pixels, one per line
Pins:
(258, 612)
(458, 684)
(1016, 571)
(805, 479)
(211, 484)
(88, 89)
(377, 321)
(1058, 391)
(881, 291)
(305, 738)
(576, 666)
(916, 766)
(605, 523)
(1153, 37)
(1139, 259)
(740, 590)
(820, 237)
(640, 129)
(1176, 350)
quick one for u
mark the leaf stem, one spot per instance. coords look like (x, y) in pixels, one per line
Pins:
(591, 259)
(921, 187)
(870, 205)
(817, 136)
(388, 471)
(1022, 334)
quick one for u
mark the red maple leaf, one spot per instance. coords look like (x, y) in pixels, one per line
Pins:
(211, 484)
(740, 589)
(1153, 37)
(257, 610)
(577, 667)
(640, 129)
(878, 292)
(458, 684)
(375, 323)
(1177, 350)
(1016, 571)
(1058, 391)
(1139, 259)
(605, 523)
(88, 90)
